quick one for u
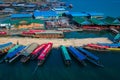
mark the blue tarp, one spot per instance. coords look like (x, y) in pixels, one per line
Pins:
(16, 51)
(21, 16)
(89, 54)
(44, 13)
(76, 53)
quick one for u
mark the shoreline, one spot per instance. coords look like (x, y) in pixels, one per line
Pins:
(56, 42)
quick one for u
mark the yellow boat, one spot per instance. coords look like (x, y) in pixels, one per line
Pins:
(114, 49)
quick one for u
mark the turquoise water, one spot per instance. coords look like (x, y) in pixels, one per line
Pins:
(54, 68)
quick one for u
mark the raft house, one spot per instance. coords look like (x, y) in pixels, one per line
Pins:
(43, 33)
(93, 21)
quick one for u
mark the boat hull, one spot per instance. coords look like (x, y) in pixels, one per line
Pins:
(95, 49)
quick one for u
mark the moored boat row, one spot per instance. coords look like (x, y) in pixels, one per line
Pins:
(40, 52)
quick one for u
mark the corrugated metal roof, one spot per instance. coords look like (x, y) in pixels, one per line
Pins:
(95, 14)
(21, 16)
(44, 13)
(116, 22)
(78, 19)
(77, 14)
(98, 22)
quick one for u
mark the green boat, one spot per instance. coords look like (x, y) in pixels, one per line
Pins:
(66, 55)
(12, 49)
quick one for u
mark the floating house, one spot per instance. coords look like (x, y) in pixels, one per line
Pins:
(112, 22)
(19, 16)
(43, 34)
(24, 21)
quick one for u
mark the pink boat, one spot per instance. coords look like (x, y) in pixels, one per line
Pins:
(44, 53)
(37, 51)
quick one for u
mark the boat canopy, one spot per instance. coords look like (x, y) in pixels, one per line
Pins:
(97, 46)
(45, 51)
(65, 53)
(110, 44)
(38, 49)
(12, 54)
(89, 54)
(6, 44)
(12, 49)
(75, 52)
(29, 49)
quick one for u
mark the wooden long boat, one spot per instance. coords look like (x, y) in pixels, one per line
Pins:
(66, 56)
(4, 48)
(37, 51)
(114, 49)
(96, 47)
(111, 45)
(91, 57)
(27, 51)
(42, 57)
(88, 54)
(3, 33)
(9, 57)
(78, 55)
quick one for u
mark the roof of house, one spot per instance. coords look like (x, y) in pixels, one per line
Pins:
(45, 13)
(21, 15)
(116, 22)
(95, 14)
(98, 22)
(77, 14)
(78, 19)
(18, 21)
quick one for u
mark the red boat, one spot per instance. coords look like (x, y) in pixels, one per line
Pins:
(96, 47)
(44, 54)
(2, 33)
(37, 51)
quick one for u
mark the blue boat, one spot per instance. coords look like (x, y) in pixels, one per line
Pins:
(90, 57)
(14, 53)
(79, 56)
(111, 45)
(6, 44)
(89, 54)
(5, 47)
